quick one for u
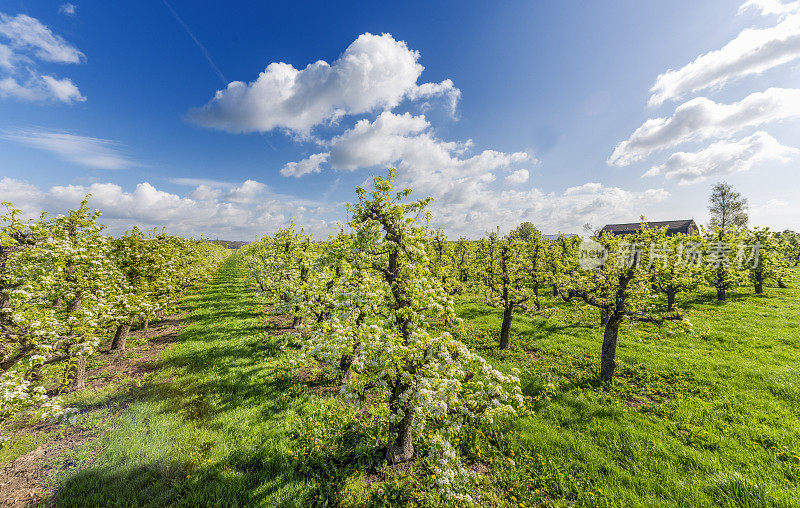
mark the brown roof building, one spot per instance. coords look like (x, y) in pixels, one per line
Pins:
(674, 227)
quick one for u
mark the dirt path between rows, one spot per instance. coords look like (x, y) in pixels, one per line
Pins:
(24, 481)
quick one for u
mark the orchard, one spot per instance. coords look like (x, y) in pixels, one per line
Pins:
(453, 372)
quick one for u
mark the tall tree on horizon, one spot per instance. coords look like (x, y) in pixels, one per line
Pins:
(727, 207)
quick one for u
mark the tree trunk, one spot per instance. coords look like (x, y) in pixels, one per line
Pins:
(402, 449)
(721, 295)
(759, 288)
(78, 381)
(555, 291)
(345, 364)
(608, 359)
(605, 315)
(295, 321)
(120, 337)
(75, 304)
(505, 330)
(670, 300)
(145, 324)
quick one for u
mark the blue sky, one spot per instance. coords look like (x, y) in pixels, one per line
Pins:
(516, 115)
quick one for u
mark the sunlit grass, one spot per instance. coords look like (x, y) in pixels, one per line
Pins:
(708, 417)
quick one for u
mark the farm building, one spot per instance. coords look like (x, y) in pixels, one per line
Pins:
(674, 227)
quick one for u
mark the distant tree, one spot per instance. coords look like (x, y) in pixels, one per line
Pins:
(463, 253)
(592, 230)
(727, 207)
(504, 277)
(622, 289)
(440, 257)
(536, 252)
(563, 265)
(765, 258)
(791, 242)
(525, 230)
(722, 266)
(674, 262)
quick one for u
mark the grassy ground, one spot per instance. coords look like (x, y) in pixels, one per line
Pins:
(702, 418)
(212, 426)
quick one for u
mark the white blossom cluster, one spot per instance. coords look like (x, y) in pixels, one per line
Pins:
(65, 286)
(375, 308)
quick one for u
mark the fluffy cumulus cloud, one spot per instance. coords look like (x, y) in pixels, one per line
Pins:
(444, 169)
(374, 72)
(243, 212)
(94, 153)
(722, 158)
(517, 177)
(702, 118)
(753, 51)
(311, 164)
(466, 199)
(371, 78)
(564, 212)
(25, 43)
(249, 209)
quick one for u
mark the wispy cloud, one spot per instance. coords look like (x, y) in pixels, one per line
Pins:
(753, 51)
(702, 118)
(68, 9)
(722, 158)
(24, 43)
(95, 153)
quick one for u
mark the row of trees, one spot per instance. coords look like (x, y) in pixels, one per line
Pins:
(512, 270)
(376, 301)
(65, 286)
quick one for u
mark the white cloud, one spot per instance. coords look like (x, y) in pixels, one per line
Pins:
(723, 157)
(41, 88)
(28, 40)
(517, 177)
(459, 182)
(767, 7)
(205, 193)
(7, 58)
(550, 212)
(374, 72)
(446, 88)
(587, 188)
(247, 192)
(753, 51)
(389, 138)
(702, 118)
(27, 33)
(94, 153)
(194, 182)
(67, 9)
(466, 201)
(63, 89)
(246, 212)
(311, 164)
(213, 213)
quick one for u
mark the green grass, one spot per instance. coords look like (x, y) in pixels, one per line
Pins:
(213, 427)
(709, 417)
(703, 418)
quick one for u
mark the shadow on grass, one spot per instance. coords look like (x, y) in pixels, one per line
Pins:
(224, 378)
